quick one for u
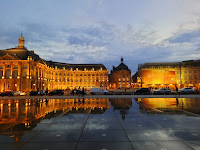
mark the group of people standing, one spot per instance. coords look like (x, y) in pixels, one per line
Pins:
(78, 92)
(41, 92)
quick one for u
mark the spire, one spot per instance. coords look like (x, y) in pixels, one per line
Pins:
(21, 41)
(122, 60)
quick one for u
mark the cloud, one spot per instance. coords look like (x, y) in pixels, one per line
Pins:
(84, 33)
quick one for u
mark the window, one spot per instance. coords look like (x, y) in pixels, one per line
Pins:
(7, 73)
(15, 74)
(24, 74)
(24, 67)
(1, 74)
(185, 77)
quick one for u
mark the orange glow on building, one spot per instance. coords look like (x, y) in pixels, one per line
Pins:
(180, 74)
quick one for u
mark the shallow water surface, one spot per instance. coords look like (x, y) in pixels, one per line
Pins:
(100, 124)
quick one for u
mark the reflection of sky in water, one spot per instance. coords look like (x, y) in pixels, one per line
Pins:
(147, 119)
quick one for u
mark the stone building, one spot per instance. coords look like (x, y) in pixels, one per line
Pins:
(180, 74)
(120, 76)
(22, 69)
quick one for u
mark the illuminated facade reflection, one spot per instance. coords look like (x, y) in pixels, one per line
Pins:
(27, 111)
(170, 104)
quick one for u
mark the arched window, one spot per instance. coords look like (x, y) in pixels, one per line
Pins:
(8, 73)
(24, 74)
(15, 74)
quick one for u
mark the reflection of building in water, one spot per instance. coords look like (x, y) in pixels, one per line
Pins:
(28, 111)
(170, 104)
(121, 104)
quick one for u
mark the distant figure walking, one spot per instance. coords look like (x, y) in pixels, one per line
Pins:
(46, 91)
(83, 91)
(178, 92)
(38, 90)
(73, 92)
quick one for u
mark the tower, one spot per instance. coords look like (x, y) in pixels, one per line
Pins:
(21, 41)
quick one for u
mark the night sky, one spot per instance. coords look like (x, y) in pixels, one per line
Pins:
(102, 31)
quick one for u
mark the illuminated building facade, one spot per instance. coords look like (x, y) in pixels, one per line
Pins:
(160, 75)
(21, 69)
(120, 76)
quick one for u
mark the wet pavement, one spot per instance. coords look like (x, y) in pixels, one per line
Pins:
(100, 124)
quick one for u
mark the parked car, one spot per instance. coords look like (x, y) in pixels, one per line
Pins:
(187, 90)
(19, 93)
(7, 93)
(56, 92)
(142, 91)
(95, 91)
(162, 91)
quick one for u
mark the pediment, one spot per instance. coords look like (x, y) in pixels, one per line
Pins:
(42, 62)
(8, 57)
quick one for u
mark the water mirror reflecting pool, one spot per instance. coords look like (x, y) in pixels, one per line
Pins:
(104, 124)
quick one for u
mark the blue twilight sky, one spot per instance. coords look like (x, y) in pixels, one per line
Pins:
(101, 31)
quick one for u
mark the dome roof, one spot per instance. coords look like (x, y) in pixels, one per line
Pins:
(122, 66)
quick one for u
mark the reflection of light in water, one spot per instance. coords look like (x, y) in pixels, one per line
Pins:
(27, 111)
(170, 104)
